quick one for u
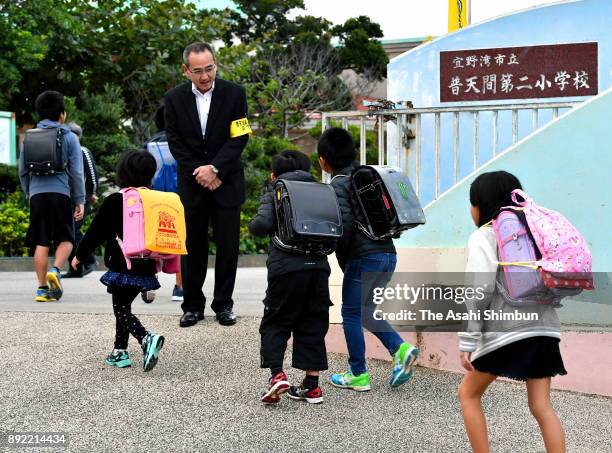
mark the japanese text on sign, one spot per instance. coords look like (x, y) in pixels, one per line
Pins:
(519, 72)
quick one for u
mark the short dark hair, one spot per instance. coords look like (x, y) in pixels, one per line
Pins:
(135, 168)
(491, 191)
(197, 47)
(289, 160)
(337, 147)
(160, 121)
(50, 105)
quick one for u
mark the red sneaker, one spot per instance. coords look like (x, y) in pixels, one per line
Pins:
(277, 385)
(311, 396)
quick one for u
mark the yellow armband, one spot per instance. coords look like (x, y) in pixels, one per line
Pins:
(240, 127)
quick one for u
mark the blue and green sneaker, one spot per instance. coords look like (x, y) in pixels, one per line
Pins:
(348, 380)
(403, 359)
(120, 359)
(151, 345)
(44, 295)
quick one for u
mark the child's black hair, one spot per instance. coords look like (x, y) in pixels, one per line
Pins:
(491, 191)
(135, 168)
(160, 121)
(50, 105)
(337, 147)
(289, 160)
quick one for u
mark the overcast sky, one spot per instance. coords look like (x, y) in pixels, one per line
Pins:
(411, 18)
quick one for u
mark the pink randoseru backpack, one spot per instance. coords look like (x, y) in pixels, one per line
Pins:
(565, 253)
(133, 244)
(517, 253)
(555, 264)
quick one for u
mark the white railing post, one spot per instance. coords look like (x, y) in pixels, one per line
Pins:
(417, 164)
(437, 155)
(381, 140)
(362, 141)
(399, 142)
(514, 126)
(455, 147)
(475, 119)
(495, 133)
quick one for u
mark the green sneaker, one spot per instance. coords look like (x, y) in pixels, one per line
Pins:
(151, 344)
(403, 359)
(120, 359)
(347, 380)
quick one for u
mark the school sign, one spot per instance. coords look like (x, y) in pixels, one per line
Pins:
(549, 71)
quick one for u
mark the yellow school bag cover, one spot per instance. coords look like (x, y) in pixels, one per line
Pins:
(164, 222)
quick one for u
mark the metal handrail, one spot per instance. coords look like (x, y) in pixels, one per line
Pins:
(398, 117)
(459, 109)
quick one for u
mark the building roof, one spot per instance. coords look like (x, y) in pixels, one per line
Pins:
(395, 47)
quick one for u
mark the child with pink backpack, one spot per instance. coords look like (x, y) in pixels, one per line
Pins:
(126, 277)
(528, 261)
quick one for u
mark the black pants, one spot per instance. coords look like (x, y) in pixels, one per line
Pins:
(296, 303)
(126, 322)
(226, 235)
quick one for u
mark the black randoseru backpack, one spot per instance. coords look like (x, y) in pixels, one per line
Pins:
(308, 219)
(43, 153)
(387, 201)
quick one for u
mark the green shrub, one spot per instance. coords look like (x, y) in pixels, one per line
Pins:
(14, 221)
(9, 179)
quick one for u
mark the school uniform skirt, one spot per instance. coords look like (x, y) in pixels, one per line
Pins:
(531, 358)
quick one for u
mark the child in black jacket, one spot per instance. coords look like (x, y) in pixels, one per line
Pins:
(135, 169)
(297, 298)
(358, 255)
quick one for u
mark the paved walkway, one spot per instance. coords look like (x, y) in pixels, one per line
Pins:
(203, 395)
(88, 295)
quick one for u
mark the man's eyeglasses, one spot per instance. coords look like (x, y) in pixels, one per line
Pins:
(199, 71)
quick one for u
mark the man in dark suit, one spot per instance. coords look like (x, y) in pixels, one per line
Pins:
(207, 131)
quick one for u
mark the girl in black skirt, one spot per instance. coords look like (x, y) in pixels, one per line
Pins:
(527, 351)
(134, 169)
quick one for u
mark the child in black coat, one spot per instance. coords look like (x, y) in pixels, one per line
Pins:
(297, 298)
(135, 169)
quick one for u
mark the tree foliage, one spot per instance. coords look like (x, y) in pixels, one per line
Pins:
(115, 59)
(295, 67)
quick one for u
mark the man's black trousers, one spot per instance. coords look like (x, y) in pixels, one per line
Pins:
(296, 303)
(226, 235)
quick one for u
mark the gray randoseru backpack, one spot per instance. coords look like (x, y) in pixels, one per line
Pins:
(308, 217)
(43, 151)
(387, 201)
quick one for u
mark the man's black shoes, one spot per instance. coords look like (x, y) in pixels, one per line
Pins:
(82, 270)
(226, 318)
(89, 269)
(71, 273)
(191, 318)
